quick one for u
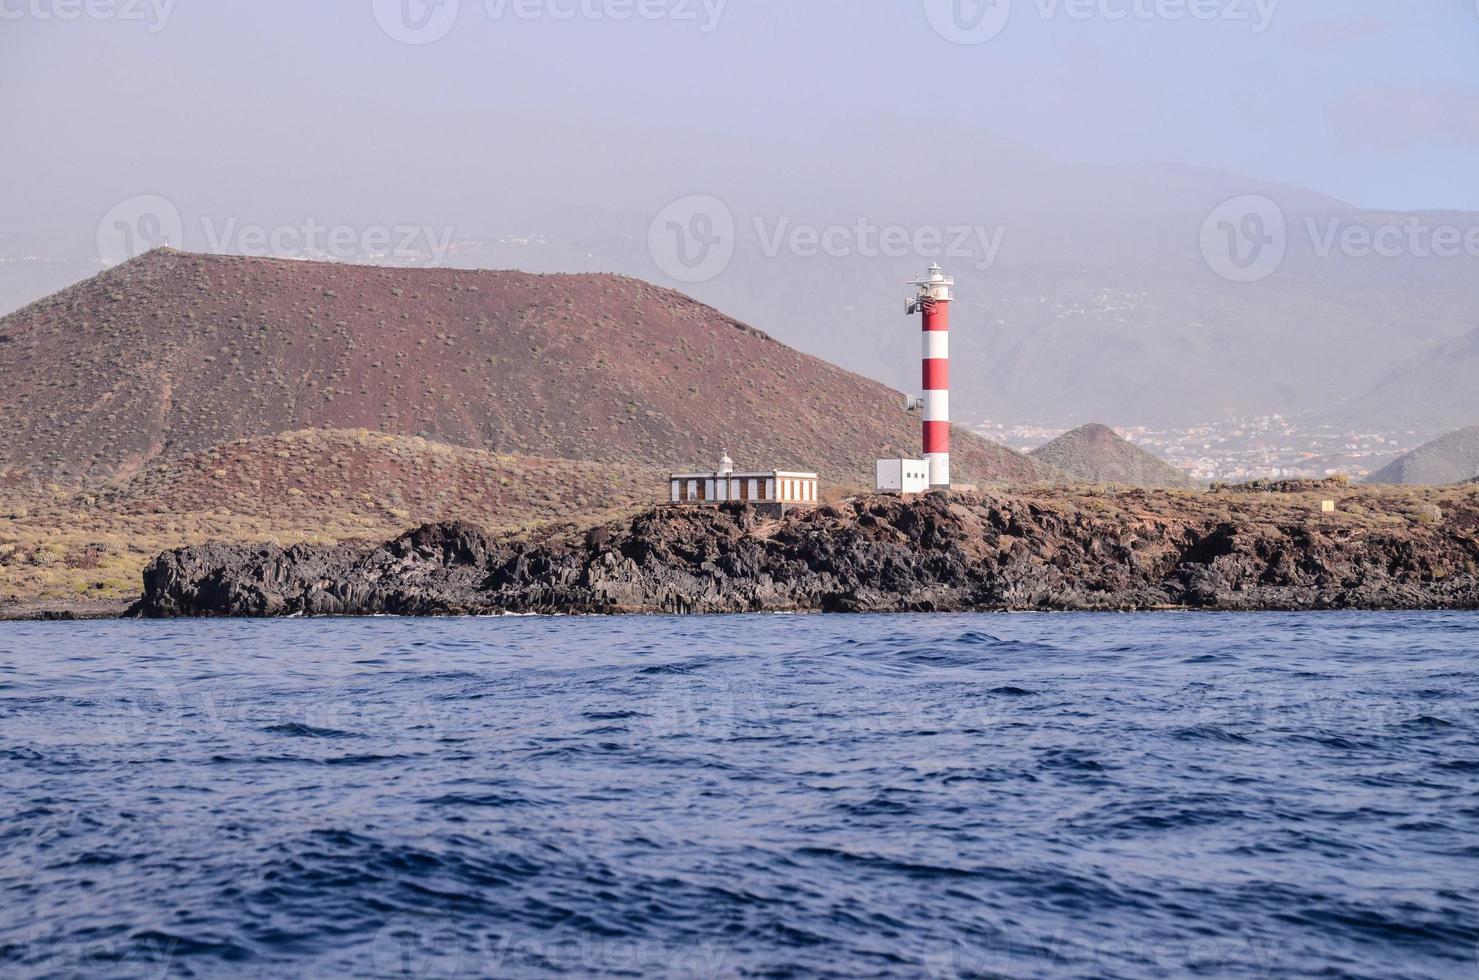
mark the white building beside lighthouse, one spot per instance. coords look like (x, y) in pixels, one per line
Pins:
(903, 476)
(778, 489)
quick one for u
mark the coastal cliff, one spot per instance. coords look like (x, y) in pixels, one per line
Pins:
(1030, 550)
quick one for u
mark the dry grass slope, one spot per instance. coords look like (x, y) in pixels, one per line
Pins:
(316, 486)
(300, 477)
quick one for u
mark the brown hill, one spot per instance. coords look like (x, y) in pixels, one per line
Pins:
(1453, 458)
(1095, 454)
(173, 353)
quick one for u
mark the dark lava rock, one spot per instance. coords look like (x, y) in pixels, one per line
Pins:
(937, 552)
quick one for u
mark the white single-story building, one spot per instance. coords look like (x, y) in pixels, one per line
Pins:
(724, 485)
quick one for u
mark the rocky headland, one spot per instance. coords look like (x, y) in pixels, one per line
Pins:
(1044, 549)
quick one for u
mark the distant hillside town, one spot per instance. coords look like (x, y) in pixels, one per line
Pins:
(1252, 448)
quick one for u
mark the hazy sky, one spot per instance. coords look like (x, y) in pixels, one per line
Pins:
(625, 135)
(1372, 101)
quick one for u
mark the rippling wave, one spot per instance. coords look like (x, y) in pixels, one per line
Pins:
(1164, 795)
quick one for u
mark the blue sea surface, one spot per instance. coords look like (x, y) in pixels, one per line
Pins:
(771, 796)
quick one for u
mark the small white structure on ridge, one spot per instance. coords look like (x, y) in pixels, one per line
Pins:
(903, 476)
(781, 489)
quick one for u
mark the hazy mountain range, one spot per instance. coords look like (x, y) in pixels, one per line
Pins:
(1084, 291)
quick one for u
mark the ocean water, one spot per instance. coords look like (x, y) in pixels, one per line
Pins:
(950, 796)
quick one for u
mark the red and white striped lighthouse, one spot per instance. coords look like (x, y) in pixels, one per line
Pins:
(936, 293)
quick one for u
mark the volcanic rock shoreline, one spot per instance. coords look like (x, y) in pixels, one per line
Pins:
(940, 552)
